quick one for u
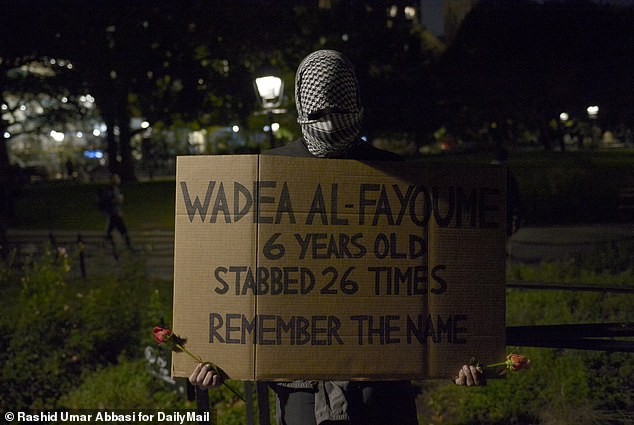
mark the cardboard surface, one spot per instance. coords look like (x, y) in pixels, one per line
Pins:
(295, 268)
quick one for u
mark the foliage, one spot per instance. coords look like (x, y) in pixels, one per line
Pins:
(77, 344)
(61, 328)
(197, 63)
(528, 61)
(572, 187)
(33, 341)
(124, 386)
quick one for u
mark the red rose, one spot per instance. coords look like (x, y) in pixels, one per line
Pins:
(516, 362)
(513, 363)
(176, 343)
(161, 335)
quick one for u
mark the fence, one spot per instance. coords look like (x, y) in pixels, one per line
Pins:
(94, 252)
(594, 336)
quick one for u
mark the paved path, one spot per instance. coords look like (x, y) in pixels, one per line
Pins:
(154, 250)
(533, 245)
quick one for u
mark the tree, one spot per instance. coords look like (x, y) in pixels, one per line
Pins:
(529, 61)
(193, 62)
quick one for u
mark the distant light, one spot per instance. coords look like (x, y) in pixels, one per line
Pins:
(7, 135)
(564, 116)
(410, 12)
(235, 128)
(593, 111)
(266, 128)
(80, 134)
(364, 138)
(93, 154)
(4, 107)
(64, 99)
(57, 136)
(22, 107)
(145, 124)
(275, 126)
(96, 132)
(393, 11)
(345, 37)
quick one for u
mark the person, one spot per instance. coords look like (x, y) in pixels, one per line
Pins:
(109, 201)
(330, 115)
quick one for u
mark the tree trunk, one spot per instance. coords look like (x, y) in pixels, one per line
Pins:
(111, 140)
(127, 161)
(544, 134)
(6, 198)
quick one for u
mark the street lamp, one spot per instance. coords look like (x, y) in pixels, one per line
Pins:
(593, 111)
(270, 90)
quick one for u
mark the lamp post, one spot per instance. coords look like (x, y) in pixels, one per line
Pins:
(269, 90)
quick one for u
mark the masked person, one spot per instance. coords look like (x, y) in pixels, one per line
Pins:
(330, 115)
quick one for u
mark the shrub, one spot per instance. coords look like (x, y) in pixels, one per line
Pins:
(125, 386)
(60, 328)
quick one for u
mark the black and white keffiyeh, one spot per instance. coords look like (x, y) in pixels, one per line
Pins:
(328, 104)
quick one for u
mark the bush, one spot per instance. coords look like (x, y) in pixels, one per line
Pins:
(127, 385)
(59, 328)
(571, 187)
(74, 344)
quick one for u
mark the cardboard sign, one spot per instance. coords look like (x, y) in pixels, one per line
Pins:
(300, 268)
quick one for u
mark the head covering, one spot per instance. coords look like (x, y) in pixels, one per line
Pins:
(329, 109)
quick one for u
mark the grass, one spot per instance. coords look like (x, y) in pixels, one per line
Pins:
(70, 206)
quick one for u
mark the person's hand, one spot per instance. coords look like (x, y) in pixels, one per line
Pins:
(204, 377)
(470, 376)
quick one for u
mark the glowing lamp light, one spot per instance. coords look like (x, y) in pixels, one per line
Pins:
(270, 89)
(564, 116)
(593, 111)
